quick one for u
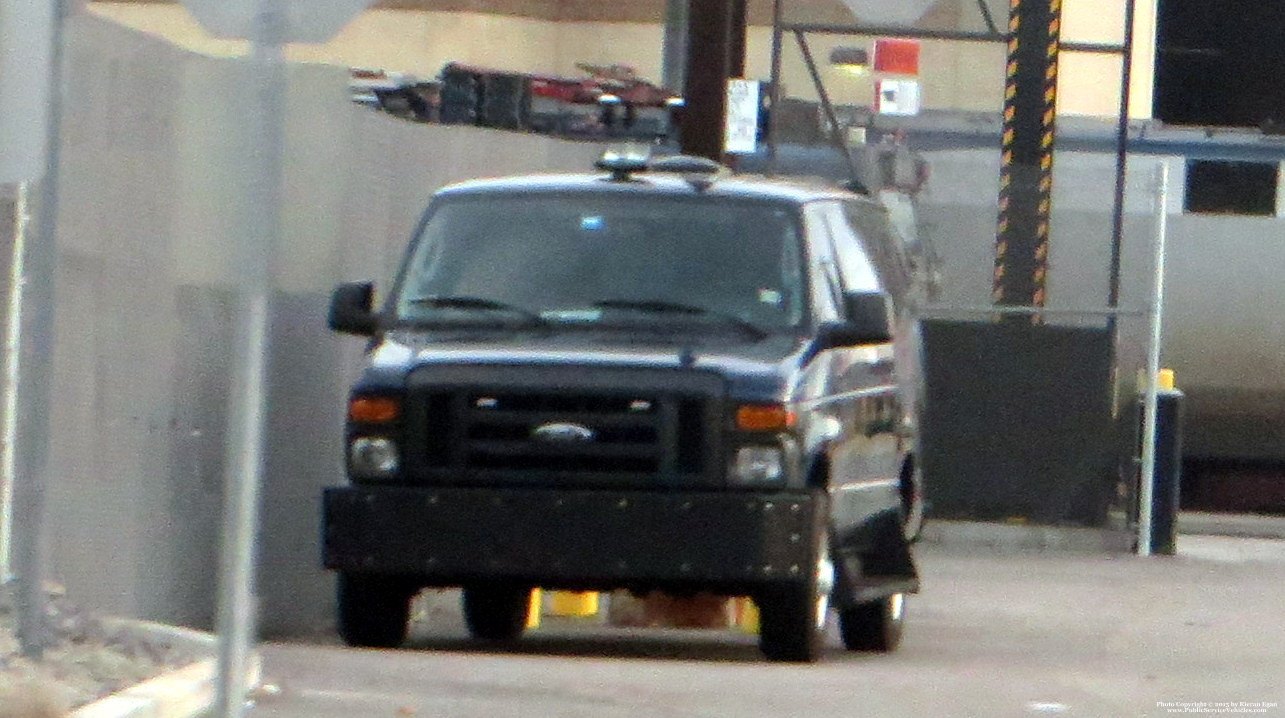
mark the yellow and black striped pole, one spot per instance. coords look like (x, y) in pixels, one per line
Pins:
(1026, 168)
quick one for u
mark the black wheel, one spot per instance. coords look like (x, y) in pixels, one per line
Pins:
(496, 612)
(373, 610)
(792, 617)
(874, 626)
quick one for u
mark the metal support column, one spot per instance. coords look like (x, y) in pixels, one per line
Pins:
(247, 402)
(774, 96)
(1026, 173)
(1121, 156)
(35, 374)
(740, 28)
(710, 29)
(674, 55)
(832, 119)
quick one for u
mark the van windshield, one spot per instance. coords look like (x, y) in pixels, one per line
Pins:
(580, 258)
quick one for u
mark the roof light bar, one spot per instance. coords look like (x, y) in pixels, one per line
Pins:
(624, 160)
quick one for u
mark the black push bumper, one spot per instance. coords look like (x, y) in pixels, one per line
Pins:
(591, 539)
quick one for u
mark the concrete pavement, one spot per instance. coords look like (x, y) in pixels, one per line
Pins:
(993, 635)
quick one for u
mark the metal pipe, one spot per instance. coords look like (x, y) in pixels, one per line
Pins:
(244, 454)
(1147, 481)
(939, 309)
(775, 89)
(836, 133)
(895, 31)
(13, 345)
(674, 55)
(35, 375)
(986, 16)
(1121, 157)
(929, 34)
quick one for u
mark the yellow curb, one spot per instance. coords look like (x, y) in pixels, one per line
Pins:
(184, 692)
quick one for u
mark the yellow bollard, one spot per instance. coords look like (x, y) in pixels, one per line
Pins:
(533, 608)
(574, 603)
(746, 614)
(1165, 379)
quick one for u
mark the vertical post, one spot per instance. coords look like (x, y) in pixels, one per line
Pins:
(709, 38)
(1026, 172)
(243, 460)
(836, 132)
(13, 346)
(35, 372)
(1121, 159)
(775, 90)
(674, 54)
(739, 38)
(1146, 487)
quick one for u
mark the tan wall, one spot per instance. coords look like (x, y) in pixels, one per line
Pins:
(955, 75)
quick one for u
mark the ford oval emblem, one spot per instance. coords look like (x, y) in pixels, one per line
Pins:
(562, 433)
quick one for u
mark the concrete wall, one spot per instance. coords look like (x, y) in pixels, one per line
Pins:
(959, 210)
(1222, 333)
(153, 201)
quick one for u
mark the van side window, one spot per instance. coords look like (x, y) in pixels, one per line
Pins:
(855, 267)
(826, 286)
(870, 224)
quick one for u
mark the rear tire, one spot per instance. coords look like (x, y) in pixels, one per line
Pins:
(496, 612)
(874, 626)
(373, 611)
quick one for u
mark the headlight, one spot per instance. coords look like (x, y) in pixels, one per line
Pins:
(757, 465)
(373, 457)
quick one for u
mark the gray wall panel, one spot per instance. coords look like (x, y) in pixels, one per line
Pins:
(153, 205)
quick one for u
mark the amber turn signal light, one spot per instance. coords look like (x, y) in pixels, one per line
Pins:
(763, 417)
(373, 409)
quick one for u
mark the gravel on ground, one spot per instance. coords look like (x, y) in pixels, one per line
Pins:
(82, 662)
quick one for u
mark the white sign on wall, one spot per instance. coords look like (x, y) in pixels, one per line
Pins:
(308, 21)
(742, 125)
(897, 97)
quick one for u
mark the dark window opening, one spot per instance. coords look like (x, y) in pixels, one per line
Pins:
(1220, 63)
(1231, 187)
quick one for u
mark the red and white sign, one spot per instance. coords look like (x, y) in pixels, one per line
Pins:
(896, 56)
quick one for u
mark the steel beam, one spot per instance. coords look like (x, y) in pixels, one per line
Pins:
(712, 34)
(1026, 165)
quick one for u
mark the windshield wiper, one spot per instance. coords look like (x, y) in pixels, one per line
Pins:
(461, 302)
(660, 306)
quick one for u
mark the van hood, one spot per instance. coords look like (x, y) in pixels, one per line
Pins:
(753, 369)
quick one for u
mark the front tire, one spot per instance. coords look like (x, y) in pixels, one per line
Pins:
(373, 611)
(496, 612)
(793, 616)
(875, 625)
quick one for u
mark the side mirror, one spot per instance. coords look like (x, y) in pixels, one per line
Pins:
(870, 321)
(351, 309)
